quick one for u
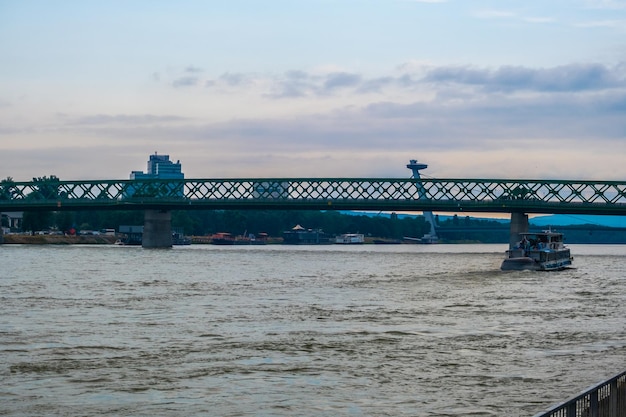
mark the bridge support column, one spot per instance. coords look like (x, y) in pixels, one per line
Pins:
(519, 224)
(157, 229)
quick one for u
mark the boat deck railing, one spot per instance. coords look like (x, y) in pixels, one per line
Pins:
(606, 399)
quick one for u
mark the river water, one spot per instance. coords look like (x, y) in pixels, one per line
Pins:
(371, 330)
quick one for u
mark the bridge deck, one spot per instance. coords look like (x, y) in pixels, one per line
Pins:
(453, 195)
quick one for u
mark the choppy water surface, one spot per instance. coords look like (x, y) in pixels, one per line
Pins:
(390, 330)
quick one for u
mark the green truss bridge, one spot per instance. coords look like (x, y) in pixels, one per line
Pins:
(158, 196)
(391, 194)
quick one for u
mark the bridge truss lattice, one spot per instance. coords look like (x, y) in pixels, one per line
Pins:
(394, 194)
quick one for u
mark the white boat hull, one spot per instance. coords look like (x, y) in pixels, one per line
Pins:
(528, 264)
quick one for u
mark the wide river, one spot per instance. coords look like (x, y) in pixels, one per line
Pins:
(372, 330)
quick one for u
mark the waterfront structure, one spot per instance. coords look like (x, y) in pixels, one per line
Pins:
(415, 167)
(298, 235)
(12, 220)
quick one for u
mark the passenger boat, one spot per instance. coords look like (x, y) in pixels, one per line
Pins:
(543, 251)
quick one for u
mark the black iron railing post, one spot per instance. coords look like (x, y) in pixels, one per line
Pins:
(606, 399)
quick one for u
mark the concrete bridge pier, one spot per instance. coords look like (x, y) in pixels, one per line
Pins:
(519, 224)
(157, 229)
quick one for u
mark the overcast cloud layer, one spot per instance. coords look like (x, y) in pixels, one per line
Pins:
(489, 89)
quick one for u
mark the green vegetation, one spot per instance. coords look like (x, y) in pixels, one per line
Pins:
(454, 229)
(47, 188)
(272, 222)
(7, 188)
(470, 230)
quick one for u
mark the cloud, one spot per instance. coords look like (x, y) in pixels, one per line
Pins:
(494, 136)
(193, 69)
(293, 84)
(490, 121)
(229, 81)
(351, 123)
(574, 77)
(465, 108)
(234, 79)
(492, 14)
(187, 81)
(340, 80)
(302, 84)
(123, 119)
(379, 84)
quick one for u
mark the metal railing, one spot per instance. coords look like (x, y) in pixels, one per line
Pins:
(606, 399)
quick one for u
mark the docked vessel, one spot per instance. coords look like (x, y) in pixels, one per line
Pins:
(543, 251)
(350, 239)
(179, 239)
(222, 238)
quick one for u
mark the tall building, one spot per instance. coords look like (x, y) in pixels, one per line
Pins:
(159, 167)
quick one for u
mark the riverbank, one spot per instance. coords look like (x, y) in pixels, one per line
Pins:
(59, 240)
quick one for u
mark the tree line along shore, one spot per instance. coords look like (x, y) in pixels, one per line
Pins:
(201, 224)
(21, 239)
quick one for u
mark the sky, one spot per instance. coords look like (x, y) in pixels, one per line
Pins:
(495, 89)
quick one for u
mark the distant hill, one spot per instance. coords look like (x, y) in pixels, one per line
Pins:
(582, 229)
(403, 215)
(547, 220)
(572, 220)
